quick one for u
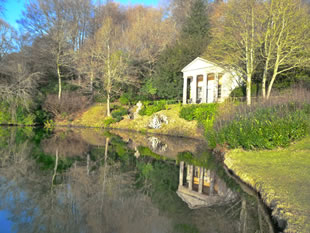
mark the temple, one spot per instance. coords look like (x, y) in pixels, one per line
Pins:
(200, 187)
(206, 82)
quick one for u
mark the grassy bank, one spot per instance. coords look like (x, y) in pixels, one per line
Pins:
(95, 116)
(282, 176)
(176, 126)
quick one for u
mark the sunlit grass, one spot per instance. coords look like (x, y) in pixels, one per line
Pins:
(177, 126)
(93, 117)
(283, 178)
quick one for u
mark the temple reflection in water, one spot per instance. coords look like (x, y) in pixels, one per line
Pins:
(200, 187)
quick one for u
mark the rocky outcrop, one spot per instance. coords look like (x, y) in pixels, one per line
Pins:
(157, 121)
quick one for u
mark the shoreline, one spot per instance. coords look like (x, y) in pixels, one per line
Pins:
(201, 138)
(275, 223)
(281, 177)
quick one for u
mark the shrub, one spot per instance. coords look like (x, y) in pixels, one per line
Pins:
(16, 115)
(151, 107)
(68, 104)
(263, 128)
(5, 116)
(108, 121)
(124, 99)
(41, 116)
(99, 98)
(29, 119)
(119, 113)
(199, 112)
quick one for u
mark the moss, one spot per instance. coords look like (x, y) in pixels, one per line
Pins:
(282, 177)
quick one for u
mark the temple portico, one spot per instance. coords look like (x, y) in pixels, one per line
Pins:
(200, 187)
(205, 82)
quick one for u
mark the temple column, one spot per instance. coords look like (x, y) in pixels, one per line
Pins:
(216, 86)
(200, 180)
(204, 88)
(212, 183)
(185, 90)
(181, 175)
(194, 89)
(190, 177)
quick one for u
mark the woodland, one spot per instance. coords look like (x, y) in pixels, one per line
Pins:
(69, 54)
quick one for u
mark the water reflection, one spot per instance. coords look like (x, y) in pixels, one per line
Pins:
(200, 187)
(91, 181)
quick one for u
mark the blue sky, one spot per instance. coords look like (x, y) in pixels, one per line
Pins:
(15, 7)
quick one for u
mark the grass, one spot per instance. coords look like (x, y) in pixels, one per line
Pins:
(282, 176)
(95, 115)
(177, 126)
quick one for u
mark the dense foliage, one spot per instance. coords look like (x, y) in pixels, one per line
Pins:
(198, 112)
(151, 107)
(263, 128)
(194, 38)
(203, 113)
(19, 115)
(118, 113)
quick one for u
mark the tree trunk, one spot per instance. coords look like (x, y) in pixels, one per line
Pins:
(79, 80)
(248, 89)
(59, 82)
(274, 75)
(270, 85)
(108, 104)
(108, 87)
(105, 171)
(91, 81)
(265, 78)
(55, 168)
(243, 218)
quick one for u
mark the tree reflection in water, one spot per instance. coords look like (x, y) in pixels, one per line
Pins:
(63, 183)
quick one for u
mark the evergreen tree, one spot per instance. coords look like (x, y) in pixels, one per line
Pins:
(193, 40)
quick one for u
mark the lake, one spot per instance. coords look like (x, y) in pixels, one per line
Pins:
(91, 180)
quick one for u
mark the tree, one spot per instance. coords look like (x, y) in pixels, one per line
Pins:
(192, 42)
(111, 61)
(18, 82)
(286, 40)
(145, 37)
(51, 20)
(180, 10)
(237, 37)
(7, 35)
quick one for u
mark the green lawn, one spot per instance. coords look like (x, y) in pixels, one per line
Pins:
(283, 178)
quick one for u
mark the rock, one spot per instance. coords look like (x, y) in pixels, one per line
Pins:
(157, 120)
(139, 107)
(137, 153)
(157, 145)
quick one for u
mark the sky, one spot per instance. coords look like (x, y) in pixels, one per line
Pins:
(14, 8)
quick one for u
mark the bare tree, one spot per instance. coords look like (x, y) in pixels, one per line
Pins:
(7, 36)
(286, 39)
(48, 19)
(18, 84)
(110, 59)
(146, 36)
(237, 38)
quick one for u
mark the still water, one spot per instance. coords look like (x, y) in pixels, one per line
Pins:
(84, 180)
